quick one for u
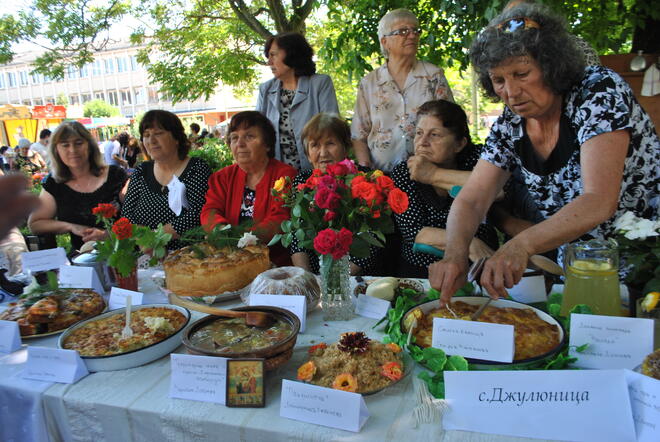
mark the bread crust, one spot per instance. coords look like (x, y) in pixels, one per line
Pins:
(220, 270)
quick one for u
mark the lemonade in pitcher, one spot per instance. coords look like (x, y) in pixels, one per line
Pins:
(592, 278)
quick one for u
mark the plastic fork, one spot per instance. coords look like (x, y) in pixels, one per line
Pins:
(127, 331)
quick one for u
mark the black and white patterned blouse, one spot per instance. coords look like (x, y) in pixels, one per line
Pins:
(601, 102)
(247, 206)
(428, 209)
(146, 200)
(287, 136)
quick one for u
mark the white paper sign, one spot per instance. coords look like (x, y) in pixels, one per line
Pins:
(80, 278)
(614, 342)
(198, 378)
(118, 298)
(54, 365)
(323, 406)
(529, 289)
(371, 307)
(645, 403)
(10, 337)
(297, 304)
(576, 405)
(42, 260)
(472, 339)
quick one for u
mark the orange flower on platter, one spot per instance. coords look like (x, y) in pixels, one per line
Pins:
(392, 370)
(313, 348)
(394, 347)
(345, 382)
(398, 200)
(306, 371)
(123, 228)
(105, 210)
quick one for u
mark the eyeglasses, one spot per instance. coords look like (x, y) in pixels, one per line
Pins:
(518, 23)
(403, 32)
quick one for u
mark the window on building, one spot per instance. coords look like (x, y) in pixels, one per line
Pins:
(71, 72)
(27, 102)
(134, 63)
(96, 67)
(126, 97)
(23, 77)
(50, 100)
(109, 65)
(84, 71)
(35, 78)
(2, 81)
(74, 99)
(99, 96)
(11, 79)
(112, 98)
(122, 64)
(46, 79)
(153, 95)
(140, 96)
(38, 102)
(85, 98)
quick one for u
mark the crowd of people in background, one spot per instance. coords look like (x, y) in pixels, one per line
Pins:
(572, 149)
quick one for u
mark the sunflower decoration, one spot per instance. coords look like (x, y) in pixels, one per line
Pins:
(353, 343)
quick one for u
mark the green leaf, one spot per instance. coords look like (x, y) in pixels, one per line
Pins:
(276, 238)
(456, 363)
(369, 238)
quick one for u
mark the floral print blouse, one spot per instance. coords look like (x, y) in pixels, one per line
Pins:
(385, 116)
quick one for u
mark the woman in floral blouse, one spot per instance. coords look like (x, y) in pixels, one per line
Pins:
(386, 109)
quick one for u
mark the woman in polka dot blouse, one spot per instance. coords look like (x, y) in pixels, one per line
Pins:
(170, 189)
(444, 156)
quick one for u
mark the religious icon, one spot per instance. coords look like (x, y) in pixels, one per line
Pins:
(245, 383)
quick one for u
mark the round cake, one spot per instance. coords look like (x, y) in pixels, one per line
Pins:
(203, 270)
(287, 281)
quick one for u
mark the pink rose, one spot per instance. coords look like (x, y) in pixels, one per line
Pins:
(326, 198)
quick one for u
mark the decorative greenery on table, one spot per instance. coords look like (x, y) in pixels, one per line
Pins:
(437, 361)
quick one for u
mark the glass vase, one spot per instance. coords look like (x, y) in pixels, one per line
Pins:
(336, 300)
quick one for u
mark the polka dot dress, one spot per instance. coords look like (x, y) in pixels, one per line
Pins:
(146, 199)
(287, 137)
(428, 209)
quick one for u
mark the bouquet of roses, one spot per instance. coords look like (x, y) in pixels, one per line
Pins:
(340, 211)
(122, 246)
(639, 245)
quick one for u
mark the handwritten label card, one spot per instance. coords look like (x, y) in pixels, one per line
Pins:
(614, 342)
(323, 406)
(198, 378)
(54, 365)
(118, 298)
(297, 304)
(645, 403)
(43, 260)
(529, 289)
(10, 337)
(371, 307)
(580, 405)
(479, 340)
(80, 278)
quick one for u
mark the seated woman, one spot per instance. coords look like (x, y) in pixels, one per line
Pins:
(28, 160)
(326, 138)
(169, 189)
(241, 192)
(442, 144)
(78, 182)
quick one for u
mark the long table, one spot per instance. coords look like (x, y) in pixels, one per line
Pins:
(133, 404)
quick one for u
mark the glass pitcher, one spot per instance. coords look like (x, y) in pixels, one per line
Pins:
(592, 277)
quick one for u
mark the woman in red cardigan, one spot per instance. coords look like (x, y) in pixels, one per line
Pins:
(241, 191)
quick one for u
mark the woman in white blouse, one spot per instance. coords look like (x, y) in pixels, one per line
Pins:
(388, 97)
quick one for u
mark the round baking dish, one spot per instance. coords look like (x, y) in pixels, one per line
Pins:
(133, 358)
(493, 365)
(274, 355)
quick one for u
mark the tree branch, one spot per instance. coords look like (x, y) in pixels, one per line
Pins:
(243, 13)
(278, 14)
(300, 14)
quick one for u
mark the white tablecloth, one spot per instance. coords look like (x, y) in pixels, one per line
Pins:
(133, 405)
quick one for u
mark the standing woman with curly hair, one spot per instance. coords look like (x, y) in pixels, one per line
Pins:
(586, 149)
(294, 95)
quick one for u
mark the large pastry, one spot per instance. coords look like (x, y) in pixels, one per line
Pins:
(287, 281)
(203, 270)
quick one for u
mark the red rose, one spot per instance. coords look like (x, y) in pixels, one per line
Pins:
(327, 182)
(355, 183)
(326, 198)
(123, 228)
(329, 216)
(376, 214)
(105, 210)
(325, 241)
(384, 183)
(345, 238)
(398, 200)
(368, 192)
(337, 169)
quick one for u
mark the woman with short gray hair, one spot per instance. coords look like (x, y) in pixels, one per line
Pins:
(585, 148)
(388, 97)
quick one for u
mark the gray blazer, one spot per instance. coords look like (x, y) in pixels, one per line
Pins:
(314, 94)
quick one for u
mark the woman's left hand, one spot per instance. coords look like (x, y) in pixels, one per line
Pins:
(421, 169)
(504, 269)
(94, 234)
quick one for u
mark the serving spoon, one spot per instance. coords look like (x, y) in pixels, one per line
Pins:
(252, 318)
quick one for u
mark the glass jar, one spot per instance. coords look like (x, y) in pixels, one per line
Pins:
(336, 299)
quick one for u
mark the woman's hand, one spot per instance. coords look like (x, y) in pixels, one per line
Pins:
(421, 169)
(447, 276)
(94, 234)
(479, 249)
(504, 269)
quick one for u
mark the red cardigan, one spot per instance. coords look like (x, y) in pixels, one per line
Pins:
(225, 196)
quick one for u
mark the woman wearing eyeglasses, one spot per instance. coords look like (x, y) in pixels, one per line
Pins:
(586, 149)
(383, 124)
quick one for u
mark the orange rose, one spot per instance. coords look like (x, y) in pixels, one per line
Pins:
(398, 200)
(306, 371)
(313, 348)
(392, 370)
(345, 382)
(394, 347)
(384, 183)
